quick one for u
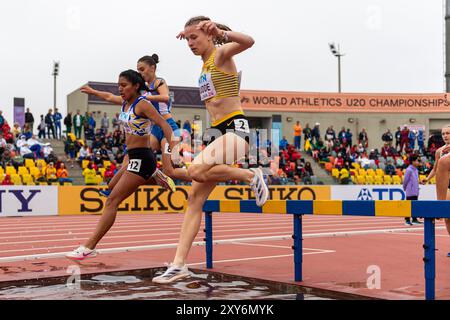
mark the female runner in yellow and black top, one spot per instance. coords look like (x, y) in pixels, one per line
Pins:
(219, 89)
(137, 118)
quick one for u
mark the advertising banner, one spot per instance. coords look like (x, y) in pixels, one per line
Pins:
(151, 199)
(379, 192)
(28, 201)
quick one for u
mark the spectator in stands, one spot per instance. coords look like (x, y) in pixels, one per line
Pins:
(339, 162)
(3, 144)
(297, 135)
(283, 143)
(40, 176)
(420, 141)
(27, 131)
(404, 138)
(36, 146)
(50, 124)
(116, 123)
(109, 174)
(2, 120)
(105, 123)
(390, 169)
(342, 135)
(84, 154)
(411, 184)
(187, 126)
(412, 139)
(104, 153)
(315, 132)
(363, 139)
(7, 181)
(57, 117)
(78, 123)
(68, 123)
(97, 144)
(330, 134)
(24, 148)
(70, 150)
(16, 130)
(349, 137)
(398, 137)
(400, 163)
(98, 161)
(41, 128)
(387, 137)
(307, 173)
(29, 119)
(5, 158)
(307, 133)
(119, 157)
(50, 173)
(63, 174)
(90, 175)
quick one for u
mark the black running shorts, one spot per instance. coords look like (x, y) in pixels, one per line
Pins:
(141, 162)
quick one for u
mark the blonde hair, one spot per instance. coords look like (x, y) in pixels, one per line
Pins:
(218, 40)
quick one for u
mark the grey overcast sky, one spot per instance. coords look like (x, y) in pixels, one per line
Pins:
(390, 46)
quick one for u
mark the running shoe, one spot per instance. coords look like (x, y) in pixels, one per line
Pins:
(408, 223)
(105, 193)
(81, 253)
(417, 222)
(172, 274)
(164, 181)
(259, 187)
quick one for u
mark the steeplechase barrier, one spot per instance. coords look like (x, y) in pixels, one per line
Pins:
(429, 210)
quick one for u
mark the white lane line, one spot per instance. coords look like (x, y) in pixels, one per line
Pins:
(277, 237)
(218, 227)
(150, 232)
(141, 248)
(421, 234)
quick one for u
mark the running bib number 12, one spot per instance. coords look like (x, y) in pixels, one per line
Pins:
(134, 165)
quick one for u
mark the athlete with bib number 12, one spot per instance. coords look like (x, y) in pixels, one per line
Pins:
(137, 118)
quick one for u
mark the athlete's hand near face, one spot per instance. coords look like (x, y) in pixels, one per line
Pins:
(210, 28)
(181, 36)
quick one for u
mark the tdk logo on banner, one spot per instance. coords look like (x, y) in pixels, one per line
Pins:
(381, 194)
(365, 195)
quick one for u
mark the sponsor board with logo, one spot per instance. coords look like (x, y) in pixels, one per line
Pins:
(28, 201)
(150, 199)
(379, 192)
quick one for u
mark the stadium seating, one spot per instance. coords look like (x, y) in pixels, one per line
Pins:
(27, 179)
(15, 178)
(10, 170)
(23, 170)
(29, 163)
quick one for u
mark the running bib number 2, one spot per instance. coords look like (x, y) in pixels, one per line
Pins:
(241, 125)
(134, 165)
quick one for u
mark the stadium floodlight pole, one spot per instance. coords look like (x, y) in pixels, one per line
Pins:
(337, 53)
(55, 74)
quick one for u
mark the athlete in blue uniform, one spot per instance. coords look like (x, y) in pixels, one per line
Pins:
(137, 119)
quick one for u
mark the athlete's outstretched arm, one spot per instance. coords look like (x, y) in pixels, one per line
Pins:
(235, 42)
(163, 95)
(107, 96)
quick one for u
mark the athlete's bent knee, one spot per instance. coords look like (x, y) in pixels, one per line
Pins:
(197, 174)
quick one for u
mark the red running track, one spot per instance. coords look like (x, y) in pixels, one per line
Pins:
(337, 250)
